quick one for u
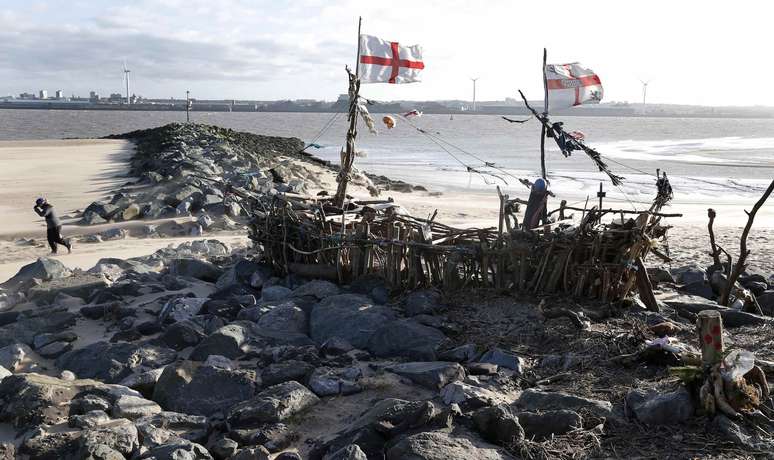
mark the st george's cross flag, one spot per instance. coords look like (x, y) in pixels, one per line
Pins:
(389, 62)
(570, 85)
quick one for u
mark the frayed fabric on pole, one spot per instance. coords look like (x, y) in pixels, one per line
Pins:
(367, 118)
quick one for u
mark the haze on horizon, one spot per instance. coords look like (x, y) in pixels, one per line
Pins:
(693, 52)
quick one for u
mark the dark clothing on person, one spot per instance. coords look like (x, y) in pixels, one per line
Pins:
(53, 226)
(47, 211)
(54, 236)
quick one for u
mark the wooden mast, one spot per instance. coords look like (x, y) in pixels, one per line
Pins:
(545, 112)
(348, 153)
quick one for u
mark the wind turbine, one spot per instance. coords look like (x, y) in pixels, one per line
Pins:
(644, 90)
(126, 76)
(474, 92)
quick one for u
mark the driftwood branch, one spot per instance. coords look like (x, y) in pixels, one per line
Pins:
(715, 251)
(743, 251)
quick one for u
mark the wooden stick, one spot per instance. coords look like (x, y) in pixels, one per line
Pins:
(743, 251)
(715, 252)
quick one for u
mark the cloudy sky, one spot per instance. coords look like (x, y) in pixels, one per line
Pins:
(694, 52)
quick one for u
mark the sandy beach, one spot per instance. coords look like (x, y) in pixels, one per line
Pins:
(73, 173)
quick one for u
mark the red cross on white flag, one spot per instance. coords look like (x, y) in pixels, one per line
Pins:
(388, 62)
(571, 84)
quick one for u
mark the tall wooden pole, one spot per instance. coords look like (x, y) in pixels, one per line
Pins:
(348, 154)
(545, 112)
(187, 106)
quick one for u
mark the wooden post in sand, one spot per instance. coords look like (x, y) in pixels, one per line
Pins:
(709, 326)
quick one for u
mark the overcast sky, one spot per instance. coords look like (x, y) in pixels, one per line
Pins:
(694, 52)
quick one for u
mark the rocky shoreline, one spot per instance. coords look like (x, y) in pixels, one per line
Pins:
(201, 351)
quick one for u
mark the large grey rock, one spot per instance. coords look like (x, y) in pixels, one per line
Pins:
(533, 400)
(766, 301)
(181, 309)
(4, 373)
(654, 408)
(499, 425)
(348, 316)
(103, 210)
(51, 446)
(285, 371)
(43, 269)
(81, 285)
(195, 268)
(504, 359)
(467, 395)
(12, 356)
(178, 451)
(134, 407)
(192, 388)
(541, 425)
(274, 404)
(182, 335)
(252, 453)
(286, 317)
(690, 274)
(330, 382)
(436, 445)
(226, 341)
(318, 289)
(28, 400)
(175, 425)
(274, 293)
(433, 375)
(120, 435)
(112, 362)
(350, 452)
(423, 302)
(406, 337)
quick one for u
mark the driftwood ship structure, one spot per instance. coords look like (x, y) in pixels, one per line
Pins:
(591, 259)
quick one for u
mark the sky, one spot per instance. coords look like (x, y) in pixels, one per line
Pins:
(691, 52)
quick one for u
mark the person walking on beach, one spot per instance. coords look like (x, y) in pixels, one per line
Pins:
(53, 227)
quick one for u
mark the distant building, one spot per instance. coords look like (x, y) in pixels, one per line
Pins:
(43, 94)
(116, 97)
(93, 96)
(26, 96)
(60, 94)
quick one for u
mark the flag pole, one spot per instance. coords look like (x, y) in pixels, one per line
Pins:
(545, 112)
(348, 153)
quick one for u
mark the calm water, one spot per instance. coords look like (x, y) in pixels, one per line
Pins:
(702, 155)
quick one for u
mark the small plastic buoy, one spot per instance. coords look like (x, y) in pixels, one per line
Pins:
(389, 122)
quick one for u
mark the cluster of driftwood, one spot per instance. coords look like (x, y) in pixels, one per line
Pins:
(310, 236)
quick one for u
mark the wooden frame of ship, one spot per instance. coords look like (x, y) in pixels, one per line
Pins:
(342, 239)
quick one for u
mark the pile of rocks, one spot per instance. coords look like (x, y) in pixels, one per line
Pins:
(181, 171)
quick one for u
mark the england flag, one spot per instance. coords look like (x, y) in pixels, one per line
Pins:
(570, 85)
(382, 61)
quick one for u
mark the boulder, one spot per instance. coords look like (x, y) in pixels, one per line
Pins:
(348, 316)
(81, 285)
(226, 341)
(284, 318)
(178, 451)
(285, 371)
(113, 234)
(504, 359)
(534, 400)
(329, 382)
(462, 354)
(350, 452)
(469, 396)
(436, 445)
(499, 425)
(766, 301)
(43, 269)
(423, 302)
(182, 335)
(119, 435)
(653, 408)
(104, 210)
(195, 268)
(542, 425)
(51, 446)
(12, 356)
(134, 407)
(131, 212)
(274, 404)
(88, 420)
(4, 373)
(181, 309)
(274, 293)
(112, 362)
(407, 338)
(318, 289)
(433, 375)
(192, 388)
(193, 428)
(55, 349)
(690, 274)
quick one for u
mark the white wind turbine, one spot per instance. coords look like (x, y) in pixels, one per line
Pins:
(126, 77)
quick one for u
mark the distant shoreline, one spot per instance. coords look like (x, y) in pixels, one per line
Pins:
(627, 112)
